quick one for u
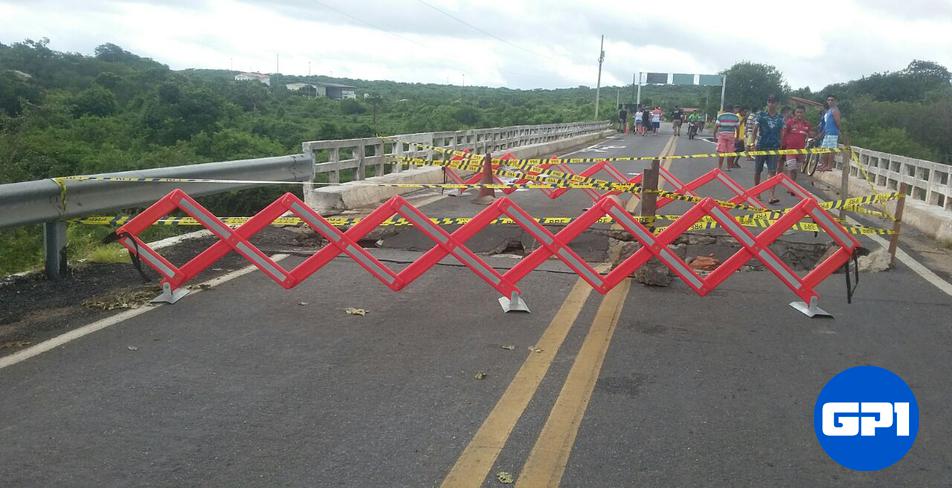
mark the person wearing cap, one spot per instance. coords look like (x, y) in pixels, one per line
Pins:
(768, 128)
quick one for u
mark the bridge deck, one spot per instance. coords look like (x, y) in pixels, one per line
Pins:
(243, 385)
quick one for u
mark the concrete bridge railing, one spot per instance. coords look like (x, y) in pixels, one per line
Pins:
(929, 182)
(355, 160)
(929, 194)
(359, 157)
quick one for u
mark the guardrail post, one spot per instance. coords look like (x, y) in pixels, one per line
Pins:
(334, 157)
(398, 156)
(54, 239)
(308, 186)
(361, 162)
(897, 225)
(381, 160)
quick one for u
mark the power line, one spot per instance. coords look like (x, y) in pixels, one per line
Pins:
(368, 24)
(471, 26)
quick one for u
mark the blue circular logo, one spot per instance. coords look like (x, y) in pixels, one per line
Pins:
(866, 418)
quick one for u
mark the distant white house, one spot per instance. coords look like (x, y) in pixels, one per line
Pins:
(320, 89)
(254, 77)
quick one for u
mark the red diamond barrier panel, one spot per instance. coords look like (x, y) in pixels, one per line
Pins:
(446, 244)
(346, 242)
(780, 179)
(741, 195)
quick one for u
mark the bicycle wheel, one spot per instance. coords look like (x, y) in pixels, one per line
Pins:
(812, 163)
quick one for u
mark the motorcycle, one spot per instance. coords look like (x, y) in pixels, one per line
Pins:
(692, 130)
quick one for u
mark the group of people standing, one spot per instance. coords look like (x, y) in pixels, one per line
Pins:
(772, 129)
(647, 120)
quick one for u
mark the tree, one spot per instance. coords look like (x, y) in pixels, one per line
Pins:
(749, 84)
(94, 100)
(15, 89)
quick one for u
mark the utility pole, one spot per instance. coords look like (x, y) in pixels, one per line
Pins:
(633, 95)
(638, 96)
(724, 90)
(277, 63)
(617, 97)
(598, 86)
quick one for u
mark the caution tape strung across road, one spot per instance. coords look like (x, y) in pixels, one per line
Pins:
(777, 152)
(703, 224)
(850, 204)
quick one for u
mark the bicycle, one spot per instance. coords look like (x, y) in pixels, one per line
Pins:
(811, 160)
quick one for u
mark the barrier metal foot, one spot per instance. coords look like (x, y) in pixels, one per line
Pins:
(169, 295)
(811, 310)
(456, 193)
(514, 304)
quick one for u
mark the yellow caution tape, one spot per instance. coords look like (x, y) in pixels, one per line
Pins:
(777, 152)
(703, 223)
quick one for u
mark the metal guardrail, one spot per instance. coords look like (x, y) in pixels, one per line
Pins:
(929, 182)
(38, 201)
(44, 201)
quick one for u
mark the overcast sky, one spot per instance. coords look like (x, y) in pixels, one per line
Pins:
(513, 43)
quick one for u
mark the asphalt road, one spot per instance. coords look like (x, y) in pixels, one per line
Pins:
(247, 384)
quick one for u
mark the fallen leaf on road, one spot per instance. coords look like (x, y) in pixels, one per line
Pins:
(133, 348)
(480, 375)
(508, 347)
(535, 349)
(302, 303)
(355, 311)
(504, 477)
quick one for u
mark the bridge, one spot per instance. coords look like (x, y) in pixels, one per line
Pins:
(340, 381)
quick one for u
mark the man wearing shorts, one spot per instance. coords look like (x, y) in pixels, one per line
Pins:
(769, 126)
(646, 120)
(794, 136)
(638, 124)
(831, 134)
(725, 130)
(676, 120)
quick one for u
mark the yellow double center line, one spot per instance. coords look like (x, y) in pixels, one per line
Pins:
(550, 454)
(546, 462)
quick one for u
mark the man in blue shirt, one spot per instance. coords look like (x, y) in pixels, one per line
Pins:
(768, 128)
(831, 133)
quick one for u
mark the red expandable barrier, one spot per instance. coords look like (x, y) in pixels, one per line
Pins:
(453, 244)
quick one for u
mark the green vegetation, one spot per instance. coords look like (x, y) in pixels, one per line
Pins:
(68, 113)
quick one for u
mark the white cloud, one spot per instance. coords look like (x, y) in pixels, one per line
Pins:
(533, 43)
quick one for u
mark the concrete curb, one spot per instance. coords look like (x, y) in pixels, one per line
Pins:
(335, 199)
(931, 220)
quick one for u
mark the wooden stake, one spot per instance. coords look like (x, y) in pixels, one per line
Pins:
(897, 225)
